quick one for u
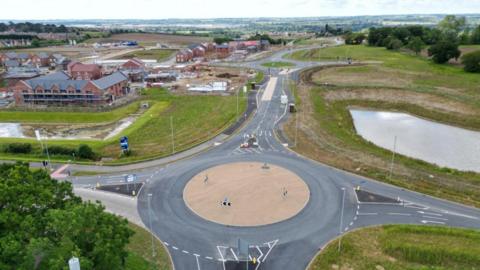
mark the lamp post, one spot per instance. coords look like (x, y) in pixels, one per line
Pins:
(39, 138)
(150, 222)
(341, 220)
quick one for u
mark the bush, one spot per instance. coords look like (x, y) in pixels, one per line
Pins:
(471, 61)
(60, 150)
(85, 152)
(443, 51)
(18, 148)
(394, 44)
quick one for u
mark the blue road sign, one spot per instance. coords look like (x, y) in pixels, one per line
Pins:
(130, 178)
(124, 143)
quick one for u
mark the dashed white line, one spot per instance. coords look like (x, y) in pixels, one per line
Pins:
(367, 214)
(166, 244)
(208, 258)
(399, 214)
(435, 217)
(186, 252)
(174, 247)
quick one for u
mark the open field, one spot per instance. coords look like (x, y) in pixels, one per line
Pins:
(389, 81)
(398, 247)
(153, 54)
(278, 64)
(146, 39)
(140, 252)
(195, 119)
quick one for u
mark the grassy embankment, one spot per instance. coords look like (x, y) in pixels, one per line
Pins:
(195, 119)
(278, 64)
(390, 81)
(153, 54)
(399, 247)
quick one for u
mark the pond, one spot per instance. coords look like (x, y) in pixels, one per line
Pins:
(440, 144)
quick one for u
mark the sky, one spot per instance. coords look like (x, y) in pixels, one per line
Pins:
(163, 9)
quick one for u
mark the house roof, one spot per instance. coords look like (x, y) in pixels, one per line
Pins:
(107, 81)
(11, 55)
(12, 63)
(60, 79)
(42, 55)
(79, 67)
(23, 56)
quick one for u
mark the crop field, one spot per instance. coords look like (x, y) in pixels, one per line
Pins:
(146, 39)
(398, 247)
(390, 81)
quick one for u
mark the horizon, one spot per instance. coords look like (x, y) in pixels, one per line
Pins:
(217, 9)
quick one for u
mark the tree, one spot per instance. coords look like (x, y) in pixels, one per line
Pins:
(471, 61)
(416, 45)
(443, 51)
(84, 151)
(475, 37)
(354, 38)
(42, 224)
(394, 44)
(452, 24)
(221, 40)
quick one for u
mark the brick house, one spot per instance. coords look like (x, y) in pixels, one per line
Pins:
(222, 50)
(35, 59)
(198, 50)
(184, 56)
(59, 89)
(79, 71)
(39, 59)
(135, 69)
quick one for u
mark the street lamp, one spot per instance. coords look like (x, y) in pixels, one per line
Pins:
(341, 220)
(39, 138)
(150, 222)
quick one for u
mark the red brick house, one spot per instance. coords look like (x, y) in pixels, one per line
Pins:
(184, 56)
(40, 59)
(59, 89)
(133, 64)
(222, 50)
(79, 71)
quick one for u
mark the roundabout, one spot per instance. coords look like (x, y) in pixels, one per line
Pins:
(246, 194)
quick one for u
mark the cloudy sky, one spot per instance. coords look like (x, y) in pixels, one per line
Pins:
(160, 9)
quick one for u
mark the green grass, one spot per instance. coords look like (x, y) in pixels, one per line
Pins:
(399, 247)
(155, 54)
(278, 64)
(195, 118)
(69, 117)
(140, 252)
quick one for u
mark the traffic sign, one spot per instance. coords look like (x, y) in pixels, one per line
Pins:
(130, 178)
(124, 143)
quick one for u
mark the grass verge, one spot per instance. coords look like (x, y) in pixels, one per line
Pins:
(140, 252)
(278, 64)
(399, 247)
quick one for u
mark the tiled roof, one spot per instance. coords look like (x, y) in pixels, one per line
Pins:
(107, 81)
(79, 67)
(12, 63)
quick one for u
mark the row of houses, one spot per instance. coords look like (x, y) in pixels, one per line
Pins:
(61, 89)
(196, 51)
(13, 59)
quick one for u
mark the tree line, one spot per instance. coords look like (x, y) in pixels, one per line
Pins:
(442, 41)
(33, 27)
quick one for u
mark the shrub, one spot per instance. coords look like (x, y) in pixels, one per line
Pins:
(60, 150)
(18, 148)
(443, 51)
(84, 151)
(471, 61)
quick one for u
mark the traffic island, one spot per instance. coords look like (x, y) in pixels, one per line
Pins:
(246, 194)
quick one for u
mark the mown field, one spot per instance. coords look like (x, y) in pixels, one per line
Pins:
(140, 252)
(195, 118)
(390, 81)
(154, 54)
(402, 247)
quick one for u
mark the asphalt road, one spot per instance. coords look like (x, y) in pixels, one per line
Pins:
(333, 209)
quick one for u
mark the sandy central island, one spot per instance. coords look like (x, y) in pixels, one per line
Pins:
(246, 194)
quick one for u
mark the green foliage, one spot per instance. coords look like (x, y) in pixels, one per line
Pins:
(416, 45)
(394, 44)
(471, 61)
(61, 150)
(43, 224)
(443, 51)
(475, 37)
(86, 152)
(452, 24)
(354, 38)
(221, 40)
(17, 148)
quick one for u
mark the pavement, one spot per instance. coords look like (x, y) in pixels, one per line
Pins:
(332, 210)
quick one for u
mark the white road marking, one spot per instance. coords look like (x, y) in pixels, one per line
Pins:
(174, 247)
(208, 258)
(186, 252)
(435, 218)
(166, 244)
(351, 223)
(367, 214)
(234, 255)
(433, 222)
(429, 213)
(261, 253)
(399, 214)
(196, 258)
(271, 245)
(222, 259)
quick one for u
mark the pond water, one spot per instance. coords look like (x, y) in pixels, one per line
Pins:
(440, 144)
